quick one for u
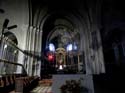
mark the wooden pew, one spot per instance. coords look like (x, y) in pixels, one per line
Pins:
(26, 83)
(8, 82)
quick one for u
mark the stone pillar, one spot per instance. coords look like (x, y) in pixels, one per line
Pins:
(32, 51)
(39, 51)
(36, 51)
(29, 49)
(2, 56)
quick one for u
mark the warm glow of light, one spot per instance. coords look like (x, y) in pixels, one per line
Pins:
(60, 67)
(50, 57)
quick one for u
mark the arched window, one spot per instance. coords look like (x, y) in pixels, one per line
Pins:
(69, 47)
(51, 47)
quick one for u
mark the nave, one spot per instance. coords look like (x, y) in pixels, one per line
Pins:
(62, 46)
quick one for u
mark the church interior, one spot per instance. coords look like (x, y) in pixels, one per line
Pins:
(62, 46)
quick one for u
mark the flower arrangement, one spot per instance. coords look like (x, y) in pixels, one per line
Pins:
(73, 86)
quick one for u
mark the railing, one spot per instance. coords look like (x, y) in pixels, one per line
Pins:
(11, 54)
(10, 66)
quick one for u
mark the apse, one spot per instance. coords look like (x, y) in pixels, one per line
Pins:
(60, 39)
(60, 31)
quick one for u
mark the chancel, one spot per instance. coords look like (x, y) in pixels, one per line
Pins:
(62, 46)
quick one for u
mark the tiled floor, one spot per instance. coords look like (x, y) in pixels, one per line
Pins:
(42, 89)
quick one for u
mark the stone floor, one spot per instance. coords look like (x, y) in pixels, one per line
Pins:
(45, 86)
(113, 81)
(42, 89)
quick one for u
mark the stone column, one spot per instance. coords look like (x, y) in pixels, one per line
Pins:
(2, 71)
(32, 51)
(39, 51)
(36, 51)
(29, 49)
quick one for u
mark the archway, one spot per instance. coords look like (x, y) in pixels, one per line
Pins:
(44, 17)
(8, 53)
(60, 30)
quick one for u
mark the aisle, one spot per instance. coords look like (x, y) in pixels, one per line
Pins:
(43, 87)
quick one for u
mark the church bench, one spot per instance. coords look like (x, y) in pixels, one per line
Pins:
(27, 83)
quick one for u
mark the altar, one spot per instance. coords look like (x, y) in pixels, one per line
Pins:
(69, 62)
